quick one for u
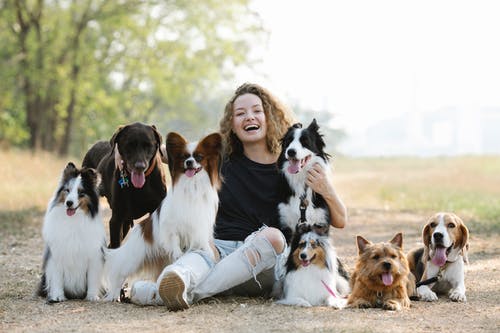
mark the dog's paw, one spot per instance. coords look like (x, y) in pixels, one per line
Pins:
(457, 296)
(426, 295)
(92, 298)
(391, 305)
(337, 303)
(360, 304)
(56, 298)
(297, 301)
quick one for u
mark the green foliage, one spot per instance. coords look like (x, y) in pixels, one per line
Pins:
(75, 70)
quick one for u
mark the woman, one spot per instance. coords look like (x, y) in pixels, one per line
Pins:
(248, 243)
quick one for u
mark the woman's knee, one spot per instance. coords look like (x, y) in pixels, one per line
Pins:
(275, 238)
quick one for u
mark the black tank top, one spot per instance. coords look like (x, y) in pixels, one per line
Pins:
(248, 198)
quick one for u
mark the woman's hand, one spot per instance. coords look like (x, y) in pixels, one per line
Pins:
(318, 181)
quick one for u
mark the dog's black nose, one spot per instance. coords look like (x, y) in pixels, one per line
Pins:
(291, 152)
(189, 163)
(140, 165)
(438, 236)
(69, 203)
(387, 265)
(303, 256)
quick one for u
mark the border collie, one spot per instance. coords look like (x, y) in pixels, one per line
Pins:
(314, 276)
(74, 238)
(301, 149)
(185, 219)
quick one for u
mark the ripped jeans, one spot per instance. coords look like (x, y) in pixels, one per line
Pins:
(235, 274)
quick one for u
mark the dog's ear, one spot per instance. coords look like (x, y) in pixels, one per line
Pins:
(313, 126)
(70, 167)
(362, 244)
(69, 172)
(397, 240)
(462, 241)
(297, 125)
(321, 228)
(115, 136)
(118, 158)
(157, 137)
(426, 234)
(174, 141)
(212, 143)
(92, 175)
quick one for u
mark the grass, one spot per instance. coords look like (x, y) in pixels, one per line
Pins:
(467, 185)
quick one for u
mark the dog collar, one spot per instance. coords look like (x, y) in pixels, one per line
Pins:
(151, 167)
(124, 181)
(435, 278)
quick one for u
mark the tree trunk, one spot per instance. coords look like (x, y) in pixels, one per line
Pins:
(70, 111)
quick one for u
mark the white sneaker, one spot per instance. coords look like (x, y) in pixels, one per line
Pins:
(145, 293)
(173, 292)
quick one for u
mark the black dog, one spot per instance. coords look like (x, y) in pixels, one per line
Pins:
(133, 178)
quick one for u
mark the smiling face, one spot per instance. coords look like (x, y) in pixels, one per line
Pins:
(249, 119)
(309, 251)
(443, 233)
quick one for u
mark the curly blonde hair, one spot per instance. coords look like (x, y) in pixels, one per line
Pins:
(278, 120)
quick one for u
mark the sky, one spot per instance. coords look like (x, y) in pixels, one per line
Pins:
(370, 61)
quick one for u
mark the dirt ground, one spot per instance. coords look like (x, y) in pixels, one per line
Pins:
(20, 262)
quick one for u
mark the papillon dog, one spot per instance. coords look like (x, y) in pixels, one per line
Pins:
(184, 220)
(314, 276)
(301, 149)
(74, 238)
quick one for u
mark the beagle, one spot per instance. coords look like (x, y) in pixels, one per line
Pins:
(439, 265)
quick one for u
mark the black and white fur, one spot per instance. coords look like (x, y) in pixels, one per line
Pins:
(74, 238)
(301, 149)
(314, 276)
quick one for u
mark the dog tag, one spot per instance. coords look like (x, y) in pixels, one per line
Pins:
(123, 181)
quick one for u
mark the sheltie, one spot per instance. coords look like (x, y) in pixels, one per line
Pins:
(184, 220)
(74, 238)
(314, 276)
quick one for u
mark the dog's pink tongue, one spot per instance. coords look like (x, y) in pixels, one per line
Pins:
(190, 172)
(294, 166)
(70, 211)
(138, 179)
(387, 279)
(439, 256)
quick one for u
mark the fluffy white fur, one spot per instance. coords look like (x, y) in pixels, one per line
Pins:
(305, 286)
(185, 221)
(75, 246)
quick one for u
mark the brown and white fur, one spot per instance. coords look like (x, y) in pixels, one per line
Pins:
(185, 219)
(445, 238)
(382, 277)
(74, 238)
(314, 276)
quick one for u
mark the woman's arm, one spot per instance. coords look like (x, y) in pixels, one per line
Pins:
(319, 183)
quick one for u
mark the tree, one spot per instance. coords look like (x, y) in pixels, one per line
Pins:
(74, 70)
